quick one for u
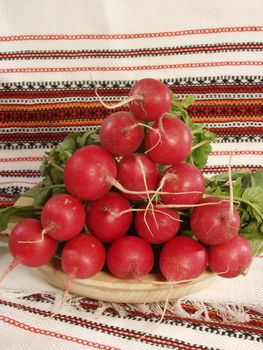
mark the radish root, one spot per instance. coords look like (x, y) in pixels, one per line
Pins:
(14, 263)
(140, 209)
(119, 104)
(149, 199)
(64, 296)
(50, 227)
(121, 188)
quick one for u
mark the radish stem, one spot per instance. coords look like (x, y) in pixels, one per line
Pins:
(54, 164)
(231, 195)
(199, 145)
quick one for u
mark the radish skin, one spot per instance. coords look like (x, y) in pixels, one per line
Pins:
(182, 258)
(130, 257)
(36, 253)
(169, 142)
(166, 227)
(63, 217)
(88, 173)
(103, 219)
(136, 172)
(211, 223)
(155, 99)
(120, 133)
(185, 178)
(83, 256)
(231, 258)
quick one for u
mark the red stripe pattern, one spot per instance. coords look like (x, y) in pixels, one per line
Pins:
(201, 31)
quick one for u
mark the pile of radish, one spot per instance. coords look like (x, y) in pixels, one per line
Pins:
(120, 209)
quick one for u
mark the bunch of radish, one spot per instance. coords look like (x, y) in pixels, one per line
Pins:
(120, 209)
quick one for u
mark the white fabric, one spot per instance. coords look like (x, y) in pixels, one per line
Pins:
(242, 291)
(185, 18)
(125, 24)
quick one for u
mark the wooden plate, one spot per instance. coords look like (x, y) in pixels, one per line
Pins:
(105, 287)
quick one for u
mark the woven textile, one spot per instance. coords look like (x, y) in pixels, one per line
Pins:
(53, 55)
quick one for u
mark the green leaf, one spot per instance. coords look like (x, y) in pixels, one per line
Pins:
(39, 194)
(258, 178)
(201, 137)
(200, 155)
(56, 176)
(42, 192)
(253, 233)
(6, 213)
(88, 138)
(255, 196)
(224, 177)
(244, 216)
(237, 187)
(188, 101)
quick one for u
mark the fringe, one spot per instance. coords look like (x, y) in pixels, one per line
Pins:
(182, 308)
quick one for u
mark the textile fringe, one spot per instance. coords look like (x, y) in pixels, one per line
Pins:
(182, 308)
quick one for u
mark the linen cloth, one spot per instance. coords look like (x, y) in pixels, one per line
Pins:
(53, 54)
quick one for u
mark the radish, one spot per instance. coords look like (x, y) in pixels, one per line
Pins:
(185, 182)
(130, 257)
(213, 223)
(31, 254)
(172, 142)
(37, 252)
(89, 172)
(103, 219)
(82, 257)
(62, 217)
(231, 258)
(151, 99)
(182, 259)
(158, 225)
(136, 172)
(121, 134)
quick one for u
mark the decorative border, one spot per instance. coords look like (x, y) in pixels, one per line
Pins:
(130, 68)
(129, 53)
(127, 84)
(201, 31)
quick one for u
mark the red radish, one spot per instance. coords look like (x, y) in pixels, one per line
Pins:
(172, 142)
(121, 134)
(158, 226)
(152, 98)
(88, 172)
(187, 180)
(136, 172)
(83, 256)
(36, 253)
(130, 257)
(63, 217)
(231, 258)
(103, 219)
(212, 223)
(182, 258)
